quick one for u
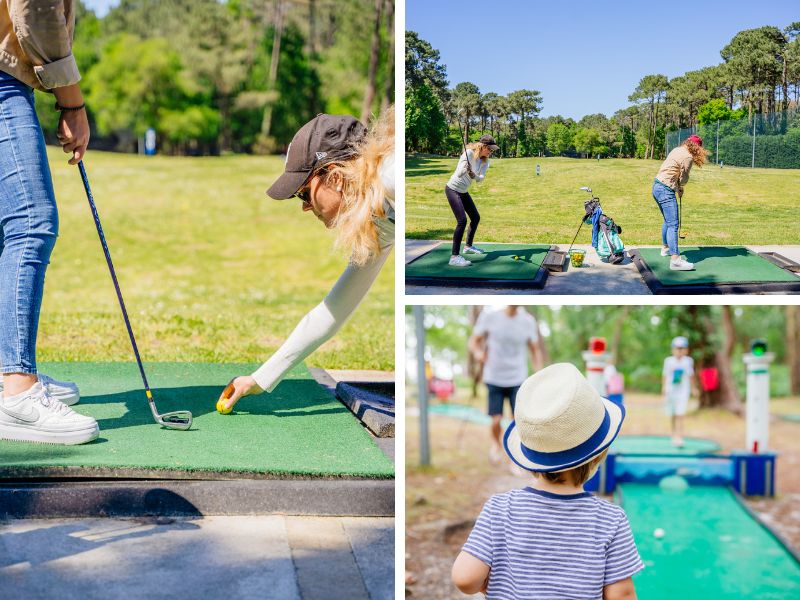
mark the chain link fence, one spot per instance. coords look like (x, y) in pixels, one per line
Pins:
(769, 140)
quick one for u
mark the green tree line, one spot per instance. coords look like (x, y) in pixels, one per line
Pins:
(235, 76)
(759, 74)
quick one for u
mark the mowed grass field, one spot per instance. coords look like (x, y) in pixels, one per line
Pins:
(727, 206)
(211, 270)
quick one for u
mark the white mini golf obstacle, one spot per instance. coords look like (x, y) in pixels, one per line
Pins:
(751, 472)
(597, 359)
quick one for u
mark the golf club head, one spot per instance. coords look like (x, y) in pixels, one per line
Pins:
(179, 419)
(586, 189)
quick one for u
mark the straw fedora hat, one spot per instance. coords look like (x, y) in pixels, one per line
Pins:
(560, 421)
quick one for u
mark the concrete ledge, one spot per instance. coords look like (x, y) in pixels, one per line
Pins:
(372, 403)
(78, 499)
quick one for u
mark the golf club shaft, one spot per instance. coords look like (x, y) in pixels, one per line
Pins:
(680, 217)
(114, 276)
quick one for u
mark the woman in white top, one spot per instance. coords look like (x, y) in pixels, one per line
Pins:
(345, 176)
(472, 165)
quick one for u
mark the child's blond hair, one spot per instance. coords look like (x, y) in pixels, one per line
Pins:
(578, 475)
(363, 191)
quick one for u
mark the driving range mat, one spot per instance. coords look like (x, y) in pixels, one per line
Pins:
(711, 547)
(656, 445)
(496, 269)
(299, 430)
(718, 270)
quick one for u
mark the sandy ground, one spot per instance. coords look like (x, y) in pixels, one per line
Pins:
(443, 500)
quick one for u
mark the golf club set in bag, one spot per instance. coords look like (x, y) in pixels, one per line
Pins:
(179, 419)
(605, 232)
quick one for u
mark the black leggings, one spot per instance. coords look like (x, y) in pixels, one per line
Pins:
(462, 205)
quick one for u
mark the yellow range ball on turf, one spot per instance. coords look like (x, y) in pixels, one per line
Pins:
(221, 408)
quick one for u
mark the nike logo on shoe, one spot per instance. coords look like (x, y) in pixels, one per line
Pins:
(30, 416)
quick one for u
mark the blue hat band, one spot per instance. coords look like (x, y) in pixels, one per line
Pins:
(554, 459)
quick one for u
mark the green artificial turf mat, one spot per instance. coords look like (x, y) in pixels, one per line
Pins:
(658, 444)
(299, 429)
(497, 263)
(463, 413)
(716, 264)
(712, 548)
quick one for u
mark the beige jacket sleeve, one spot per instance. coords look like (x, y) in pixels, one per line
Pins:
(686, 166)
(44, 30)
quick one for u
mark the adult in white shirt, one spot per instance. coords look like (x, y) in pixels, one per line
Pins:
(500, 342)
(345, 176)
(472, 166)
(677, 386)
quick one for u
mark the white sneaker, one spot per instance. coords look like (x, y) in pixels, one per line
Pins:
(34, 416)
(681, 265)
(473, 250)
(65, 392)
(664, 251)
(459, 261)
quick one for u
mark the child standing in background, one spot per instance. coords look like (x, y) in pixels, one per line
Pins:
(677, 386)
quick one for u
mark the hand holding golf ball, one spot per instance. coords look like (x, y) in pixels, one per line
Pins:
(237, 388)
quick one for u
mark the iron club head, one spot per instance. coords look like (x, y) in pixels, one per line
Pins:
(179, 419)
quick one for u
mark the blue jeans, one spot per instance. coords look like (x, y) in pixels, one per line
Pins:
(668, 204)
(28, 225)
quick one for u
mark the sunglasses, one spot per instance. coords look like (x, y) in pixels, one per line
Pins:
(304, 194)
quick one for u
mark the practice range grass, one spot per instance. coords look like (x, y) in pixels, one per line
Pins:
(716, 265)
(712, 548)
(211, 269)
(497, 263)
(729, 206)
(660, 444)
(300, 429)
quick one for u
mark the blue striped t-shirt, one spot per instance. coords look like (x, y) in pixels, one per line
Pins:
(543, 545)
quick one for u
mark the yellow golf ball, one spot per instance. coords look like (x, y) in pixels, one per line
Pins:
(221, 407)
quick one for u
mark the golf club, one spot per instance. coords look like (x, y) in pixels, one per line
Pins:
(179, 419)
(464, 144)
(680, 219)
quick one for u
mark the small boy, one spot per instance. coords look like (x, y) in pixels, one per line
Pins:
(553, 539)
(677, 386)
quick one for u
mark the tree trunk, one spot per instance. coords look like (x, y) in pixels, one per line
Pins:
(312, 26)
(617, 335)
(266, 122)
(793, 347)
(540, 345)
(369, 94)
(726, 395)
(474, 368)
(388, 89)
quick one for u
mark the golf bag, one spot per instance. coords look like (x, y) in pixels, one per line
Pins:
(605, 237)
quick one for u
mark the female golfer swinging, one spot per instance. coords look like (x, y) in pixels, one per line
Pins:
(671, 178)
(472, 165)
(345, 176)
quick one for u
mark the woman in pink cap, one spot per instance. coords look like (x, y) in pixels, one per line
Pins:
(671, 177)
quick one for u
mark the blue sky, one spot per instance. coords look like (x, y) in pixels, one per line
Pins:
(100, 7)
(585, 57)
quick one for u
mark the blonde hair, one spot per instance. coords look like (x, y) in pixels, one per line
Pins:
(699, 154)
(579, 475)
(476, 148)
(363, 191)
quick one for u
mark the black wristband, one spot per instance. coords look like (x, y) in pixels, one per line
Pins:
(69, 108)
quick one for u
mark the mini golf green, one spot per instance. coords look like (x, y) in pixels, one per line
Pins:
(658, 444)
(711, 548)
(718, 269)
(463, 413)
(300, 429)
(496, 268)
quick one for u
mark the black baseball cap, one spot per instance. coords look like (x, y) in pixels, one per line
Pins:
(323, 139)
(488, 140)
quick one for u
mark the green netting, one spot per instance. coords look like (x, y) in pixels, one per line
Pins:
(497, 263)
(711, 548)
(299, 429)
(655, 444)
(716, 264)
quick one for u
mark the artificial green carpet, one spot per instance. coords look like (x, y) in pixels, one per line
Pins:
(716, 264)
(497, 263)
(300, 429)
(711, 547)
(658, 444)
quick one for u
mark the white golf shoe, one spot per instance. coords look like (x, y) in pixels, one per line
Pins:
(35, 416)
(65, 392)
(473, 250)
(681, 265)
(665, 251)
(459, 261)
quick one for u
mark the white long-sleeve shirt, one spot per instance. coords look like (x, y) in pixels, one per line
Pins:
(325, 319)
(460, 179)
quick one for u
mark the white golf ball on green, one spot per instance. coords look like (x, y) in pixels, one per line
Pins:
(658, 533)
